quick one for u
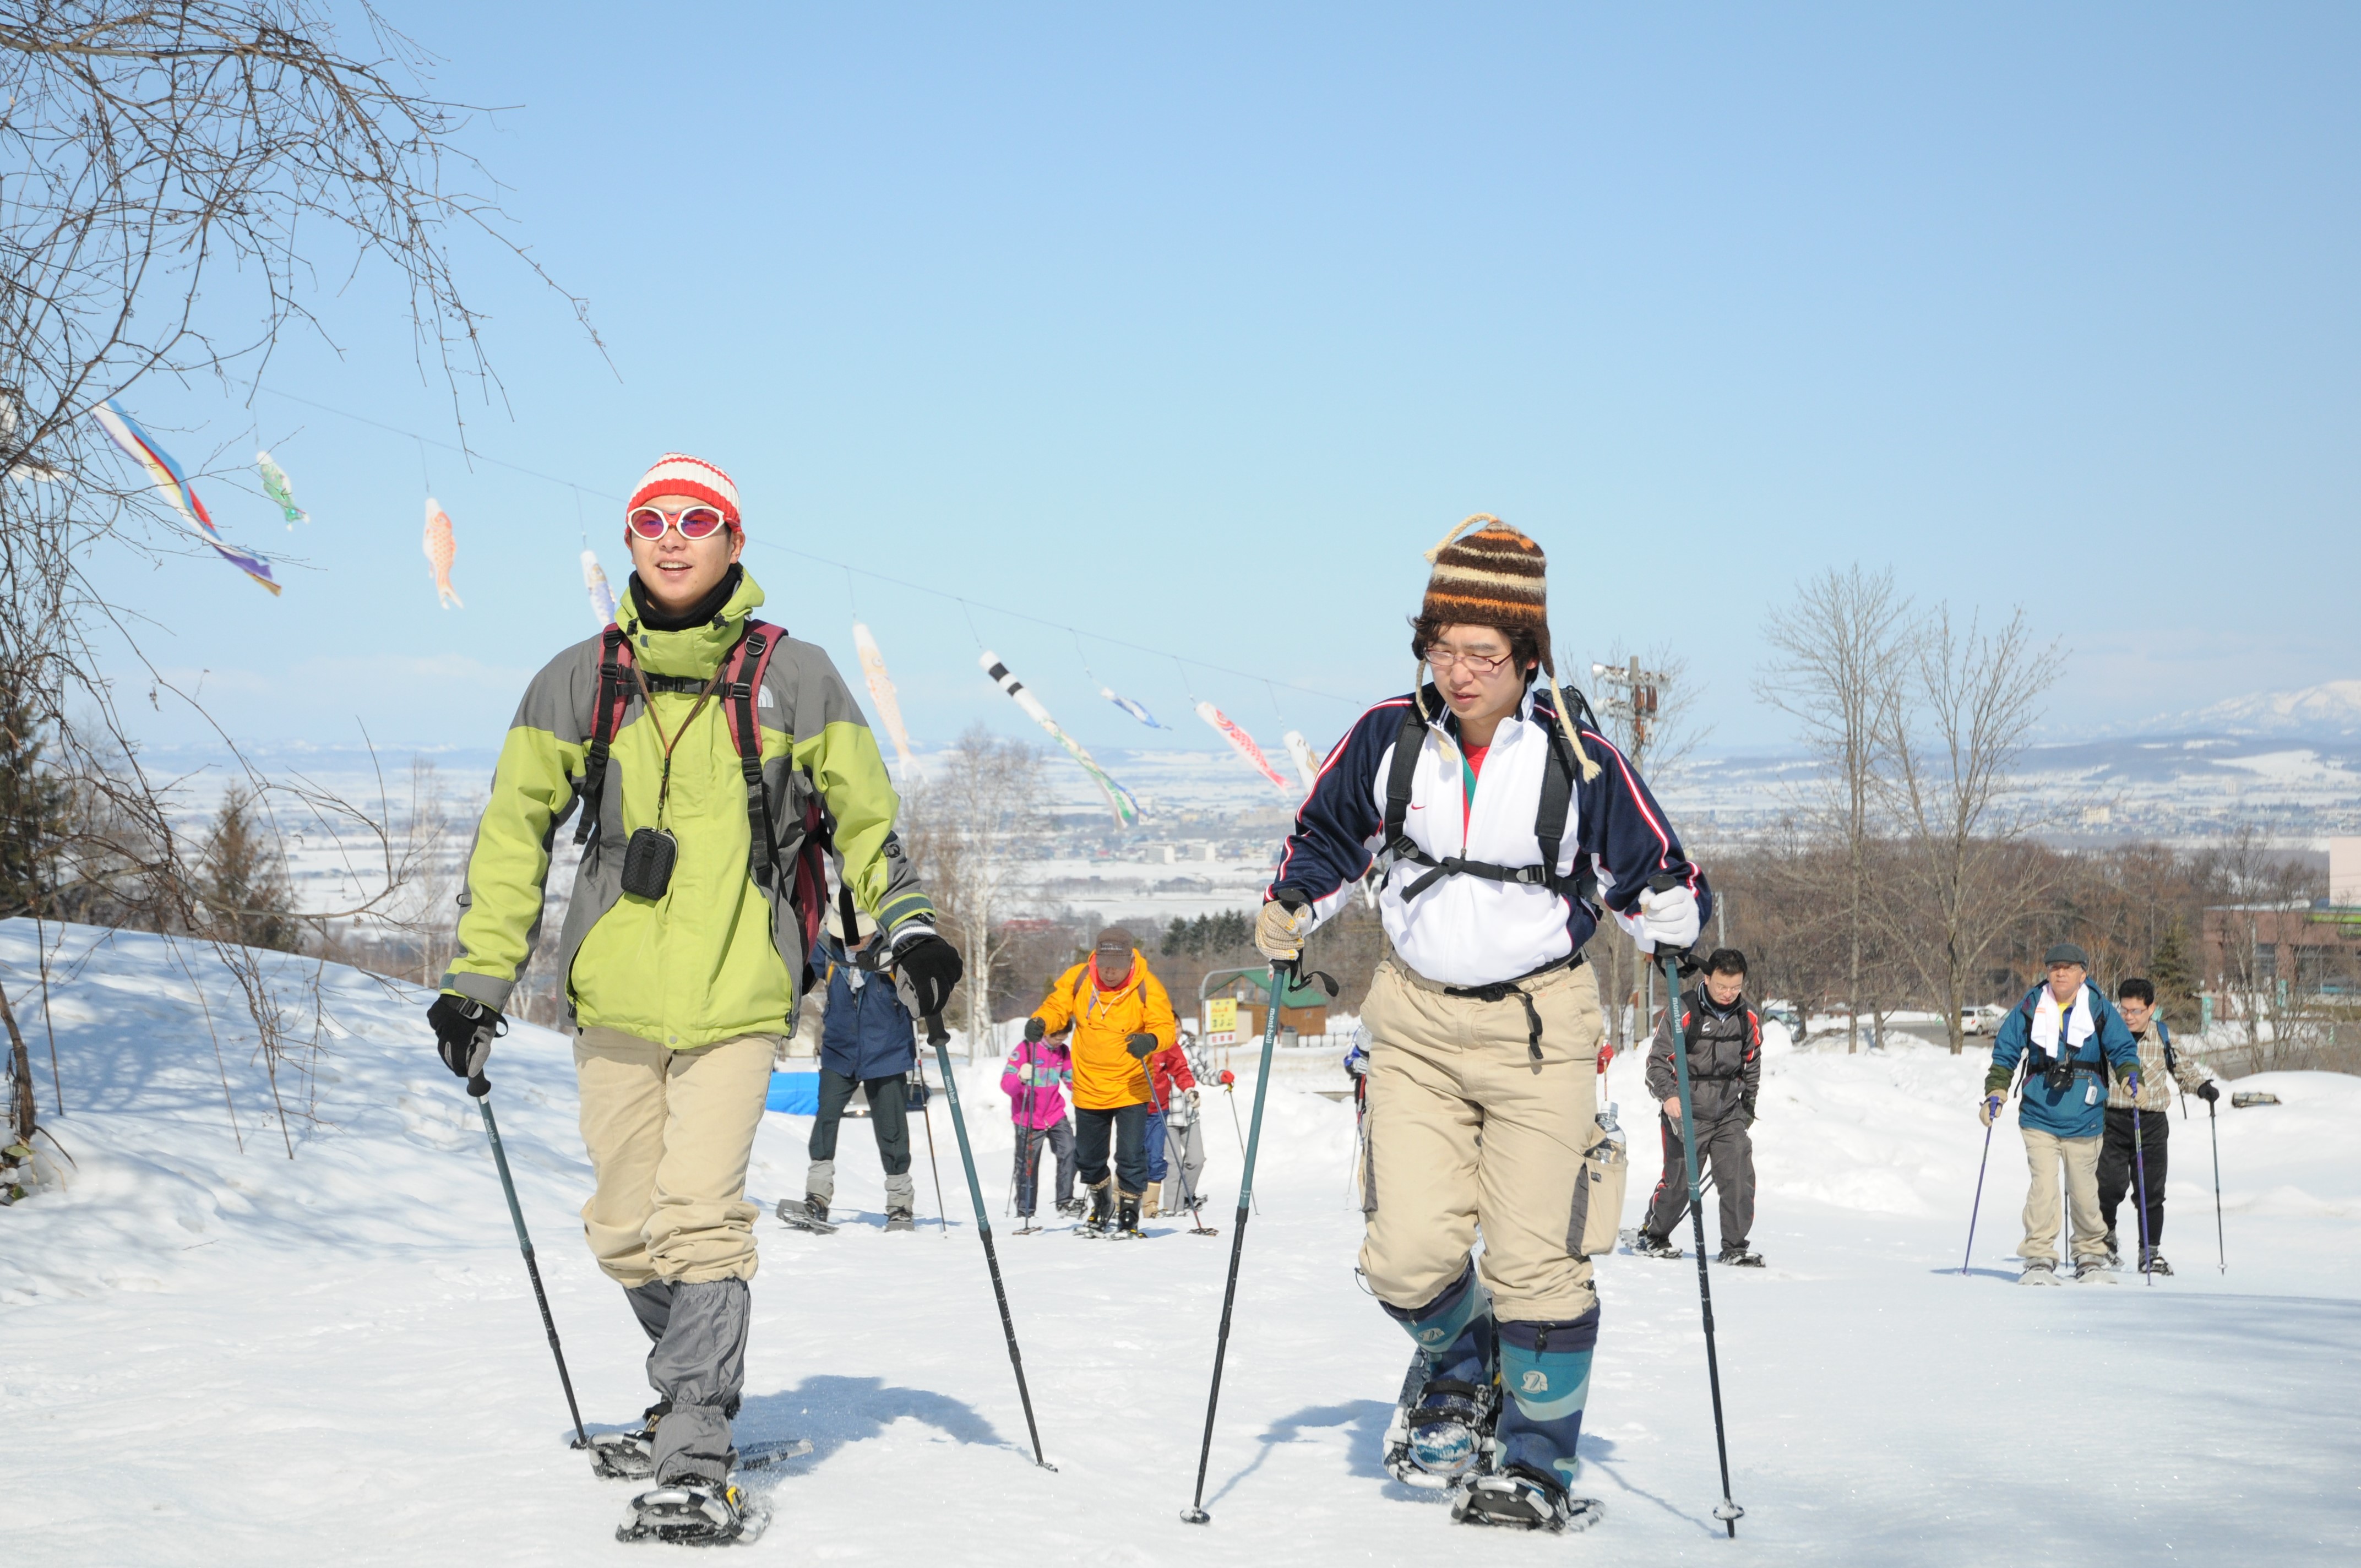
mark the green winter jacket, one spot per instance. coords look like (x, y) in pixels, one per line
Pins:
(718, 956)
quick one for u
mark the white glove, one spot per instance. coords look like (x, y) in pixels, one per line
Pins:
(1278, 930)
(1668, 919)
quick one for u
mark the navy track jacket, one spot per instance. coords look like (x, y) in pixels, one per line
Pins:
(1465, 930)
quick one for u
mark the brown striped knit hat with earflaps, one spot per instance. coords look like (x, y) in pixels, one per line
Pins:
(1497, 576)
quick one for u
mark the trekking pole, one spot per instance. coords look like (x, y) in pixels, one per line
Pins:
(926, 1115)
(2220, 1250)
(1729, 1513)
(1978, 1207)
(481, 1088)
(2139, 1175)
(1229, 1094)
(941, 1038)
(1195, 1512)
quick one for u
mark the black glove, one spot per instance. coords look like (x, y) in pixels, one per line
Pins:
(932, 967)
(1140, 1046)
(2207, 1093)
(464, 1031)
(1036, 1031)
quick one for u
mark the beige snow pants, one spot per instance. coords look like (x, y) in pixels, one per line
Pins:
(1465, 1131)
(670, 1134)
(2044, 1154)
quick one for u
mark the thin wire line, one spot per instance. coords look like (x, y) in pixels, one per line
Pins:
(475, 457)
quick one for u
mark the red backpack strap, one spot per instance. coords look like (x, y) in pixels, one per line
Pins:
(606, 718)
(742, 691)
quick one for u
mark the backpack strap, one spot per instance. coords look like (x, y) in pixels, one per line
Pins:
(1549, 819)
(741, 691)
(606, 718)
(2164, 1037)
(1409, 741)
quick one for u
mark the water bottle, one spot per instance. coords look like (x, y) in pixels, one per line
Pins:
(1608, 1125)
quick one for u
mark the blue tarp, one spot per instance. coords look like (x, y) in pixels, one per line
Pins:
(796, 1094)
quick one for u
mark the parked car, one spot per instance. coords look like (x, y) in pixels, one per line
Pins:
(1982, 1020)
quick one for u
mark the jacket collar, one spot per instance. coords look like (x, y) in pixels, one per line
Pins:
(699, 651)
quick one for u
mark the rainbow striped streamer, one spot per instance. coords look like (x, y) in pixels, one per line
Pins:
(166, 476)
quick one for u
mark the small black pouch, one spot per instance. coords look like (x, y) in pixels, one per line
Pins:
(648, 861)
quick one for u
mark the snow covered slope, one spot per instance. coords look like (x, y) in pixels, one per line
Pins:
(209, 1355)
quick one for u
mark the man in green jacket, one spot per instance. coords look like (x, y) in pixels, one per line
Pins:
(683, 953)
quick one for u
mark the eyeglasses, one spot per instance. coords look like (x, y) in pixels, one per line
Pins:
(698, 522)
(1477, 665)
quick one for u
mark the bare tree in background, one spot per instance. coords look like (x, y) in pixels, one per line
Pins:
(965, 829)
(177, 173)
(1952, 747)
(1839, 653)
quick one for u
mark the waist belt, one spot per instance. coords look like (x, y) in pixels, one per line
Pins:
(1502, 990)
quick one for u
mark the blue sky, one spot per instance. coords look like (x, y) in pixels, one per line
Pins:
(1194, 326)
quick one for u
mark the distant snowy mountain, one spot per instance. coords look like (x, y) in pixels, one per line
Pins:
(2330, 711)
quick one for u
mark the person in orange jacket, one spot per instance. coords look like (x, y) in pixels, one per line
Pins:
(1121, 1017)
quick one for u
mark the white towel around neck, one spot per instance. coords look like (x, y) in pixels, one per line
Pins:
(2045, 1019)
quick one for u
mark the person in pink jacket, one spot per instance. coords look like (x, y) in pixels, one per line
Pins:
(1035, 1083)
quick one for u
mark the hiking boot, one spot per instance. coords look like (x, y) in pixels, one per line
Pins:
(1737, 1257)
(1151, 1203)
(1646, 1245)
(2094, 1269)
(1100, 1220)
(1071, 1207)
(900, 1220)
(2152, 1262)
(2114, 1255)
(1126, 1218)
(2039, 1271)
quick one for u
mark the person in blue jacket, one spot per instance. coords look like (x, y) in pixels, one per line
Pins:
(867, 1038)
(2068, 1036)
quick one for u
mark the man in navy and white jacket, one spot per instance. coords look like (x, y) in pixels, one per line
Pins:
(1485, 1031)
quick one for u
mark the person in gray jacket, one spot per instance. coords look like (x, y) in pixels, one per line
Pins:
(1723, 1036)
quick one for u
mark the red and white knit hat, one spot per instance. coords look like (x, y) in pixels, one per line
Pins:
(678, 473)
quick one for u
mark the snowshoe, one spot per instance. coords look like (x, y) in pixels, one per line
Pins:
(700, 1514)
(1025, 1227)
(811, 1215)
(628, 1455)
(1072, 1208)
(1441, 1428)
(1523, 1498)
(2152, 1262)
(1645, 1245)
(2094, 1269)
(900, 1220)
(1099, 1221)
(2039, 1271)
(1739, 1257)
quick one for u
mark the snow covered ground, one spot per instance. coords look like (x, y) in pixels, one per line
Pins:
(210, 1355)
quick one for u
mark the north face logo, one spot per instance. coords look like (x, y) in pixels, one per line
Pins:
(1536, 1382)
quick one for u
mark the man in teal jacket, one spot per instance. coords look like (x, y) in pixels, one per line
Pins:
(2066, 1034)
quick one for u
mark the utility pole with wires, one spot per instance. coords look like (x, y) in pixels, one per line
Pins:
(1628, 700)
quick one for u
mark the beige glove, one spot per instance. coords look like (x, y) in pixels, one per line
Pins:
(1278, 930)
(1988, 1108)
